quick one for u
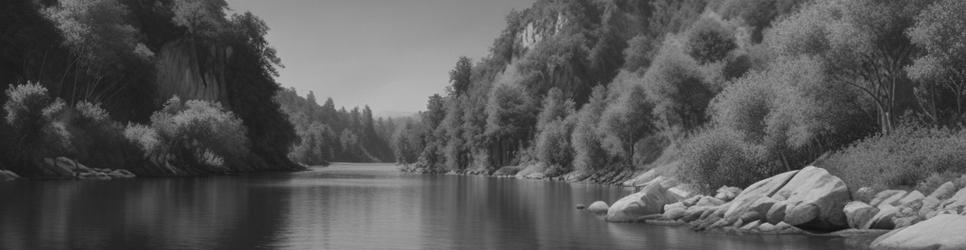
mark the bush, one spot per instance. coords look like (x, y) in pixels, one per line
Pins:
(906, 157)
(719, 157)
(99, 141)
(197, 137)
(36, 128)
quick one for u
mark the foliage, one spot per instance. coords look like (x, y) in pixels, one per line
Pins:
(710, 40)
(627, 119)
(554, 126)
(194, 136)
(905, 157)
(589, 154)
(719, 157)
(34, 118)
(676, 87)
(938, 31)
(326, 134)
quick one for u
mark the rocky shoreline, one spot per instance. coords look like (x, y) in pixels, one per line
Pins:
(810, 201)
(62, 168)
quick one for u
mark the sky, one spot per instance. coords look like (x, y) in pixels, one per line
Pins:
(389, 54)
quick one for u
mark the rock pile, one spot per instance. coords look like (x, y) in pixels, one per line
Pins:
(810, 198)
(65, 168)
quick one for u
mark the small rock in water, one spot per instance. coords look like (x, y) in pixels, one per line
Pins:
(598, 207)
(581, 206)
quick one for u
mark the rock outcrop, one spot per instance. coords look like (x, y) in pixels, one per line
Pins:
(649, 201)
(940, 232)
(815, 200)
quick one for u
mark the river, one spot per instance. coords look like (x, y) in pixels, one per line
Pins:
(344, 206)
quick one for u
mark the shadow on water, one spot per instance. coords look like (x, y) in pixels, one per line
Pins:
(346, 206)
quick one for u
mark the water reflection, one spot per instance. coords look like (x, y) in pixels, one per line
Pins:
(340, 207)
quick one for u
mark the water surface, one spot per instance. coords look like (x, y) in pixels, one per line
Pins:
(345, 206)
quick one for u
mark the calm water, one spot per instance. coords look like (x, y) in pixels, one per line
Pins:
(346, 206)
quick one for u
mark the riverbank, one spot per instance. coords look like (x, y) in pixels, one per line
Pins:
(63, 168)
(810, 201)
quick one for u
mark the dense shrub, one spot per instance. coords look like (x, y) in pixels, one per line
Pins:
(906, 157)
(717, 157)
(194, 136)
(37, 131)
(99, 141)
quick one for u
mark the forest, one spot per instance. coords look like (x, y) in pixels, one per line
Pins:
(715, 92)
(329, 135)
(158, 88)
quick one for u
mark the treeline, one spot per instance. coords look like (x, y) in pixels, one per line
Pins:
(330, 135)
(719, 92)
(93, 81)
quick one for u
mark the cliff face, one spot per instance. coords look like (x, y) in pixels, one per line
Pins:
(192, 72)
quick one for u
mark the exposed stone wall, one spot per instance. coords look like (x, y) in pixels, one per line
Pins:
(192, 73)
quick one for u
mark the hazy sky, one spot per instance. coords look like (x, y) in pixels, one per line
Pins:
(390, 54)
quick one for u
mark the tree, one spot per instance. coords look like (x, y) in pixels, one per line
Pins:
(938, 32)
(627, 120)
(676, 87)
(555, 123)
(710, 39)
(511, 118)
(460, 75)
(204, 19)
(589, 155)
(861, 43)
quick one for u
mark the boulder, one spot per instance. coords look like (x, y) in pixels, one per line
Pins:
(762, 205)
(120, 174)
(7, 175)
(944, 191)
(648, 201)
(675, 210)
(694, 213)
(777, 212)
(859, 214)
(816, 200)
(887, 197)
(912, 200)
(884, 219)
(940, 232)
(763, 188)
(956, 202)
(727, 193)
(692, 201)
(62, 167)
(751, 216)
(679, 193)
(598, 207)
(750, 227)
(766, 227)
(709, 201)
(641, 179)
(929, 204)
(864, 194)
(906, 221)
